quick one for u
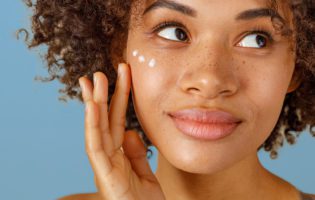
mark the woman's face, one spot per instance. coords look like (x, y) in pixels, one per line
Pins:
(221, 55)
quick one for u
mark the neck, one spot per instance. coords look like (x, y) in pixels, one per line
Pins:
(247, 179)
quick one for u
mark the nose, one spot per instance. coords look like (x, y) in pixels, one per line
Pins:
(211, 79)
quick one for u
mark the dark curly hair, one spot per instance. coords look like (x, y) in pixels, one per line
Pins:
(86, 36)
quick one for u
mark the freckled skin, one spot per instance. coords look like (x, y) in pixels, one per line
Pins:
(211, 72)
(142, 59)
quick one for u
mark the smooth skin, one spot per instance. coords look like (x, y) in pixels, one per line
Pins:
(118, 157)
(209, 71)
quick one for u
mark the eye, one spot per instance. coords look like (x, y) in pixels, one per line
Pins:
(173, 33)
(254, 40)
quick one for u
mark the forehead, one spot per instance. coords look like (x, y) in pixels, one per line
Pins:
(203, 6)
(148, 2)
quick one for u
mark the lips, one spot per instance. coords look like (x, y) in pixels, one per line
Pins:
(204, 116)
(204, 124)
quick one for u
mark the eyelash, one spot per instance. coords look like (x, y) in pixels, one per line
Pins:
(256, 30)
(166, 24)
(261, 31)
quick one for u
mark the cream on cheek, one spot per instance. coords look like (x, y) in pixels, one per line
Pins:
(150, 62)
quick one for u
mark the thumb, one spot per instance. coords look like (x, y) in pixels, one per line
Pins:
(135, 150)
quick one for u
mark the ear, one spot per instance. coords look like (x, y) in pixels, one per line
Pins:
(295, 81)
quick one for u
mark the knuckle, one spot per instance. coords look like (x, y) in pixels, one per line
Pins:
(122, 90)
(119, 123)
(126, 92)
(91, 151)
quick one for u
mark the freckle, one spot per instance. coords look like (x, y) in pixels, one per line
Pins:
(141, 59)
(244, 61)
(152, 63)
(135, 53)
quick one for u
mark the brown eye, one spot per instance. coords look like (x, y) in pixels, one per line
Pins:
(261, 41)
(254, 41)
(173, 33)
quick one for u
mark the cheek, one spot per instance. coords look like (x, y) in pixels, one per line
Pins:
(142, 59)
(152, 71)
(150, 76)
(152, 86)
(265, 93)
(270, 85)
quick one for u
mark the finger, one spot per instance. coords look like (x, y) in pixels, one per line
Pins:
(100, 95)
(92, 143)
(98, 158)
(118, 106)
(87, 88)
(136, 152)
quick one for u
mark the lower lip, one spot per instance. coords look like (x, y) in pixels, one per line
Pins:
(205, 131)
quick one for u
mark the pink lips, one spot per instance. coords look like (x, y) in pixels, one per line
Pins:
(202, 124)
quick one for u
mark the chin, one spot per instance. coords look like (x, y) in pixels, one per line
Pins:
(200, 167)
(197, 163)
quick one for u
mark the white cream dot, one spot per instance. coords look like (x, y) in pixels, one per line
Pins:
(135, 53)
(141, 59)
(152, 63)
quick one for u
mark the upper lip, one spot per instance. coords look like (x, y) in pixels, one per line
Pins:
(205, 116)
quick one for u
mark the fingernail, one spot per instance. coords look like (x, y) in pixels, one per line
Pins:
(120, 70)
(94, 80)
(81, 85)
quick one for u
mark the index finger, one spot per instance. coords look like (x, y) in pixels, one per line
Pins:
(118, 105)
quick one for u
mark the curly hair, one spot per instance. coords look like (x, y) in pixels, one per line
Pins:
(86, 36)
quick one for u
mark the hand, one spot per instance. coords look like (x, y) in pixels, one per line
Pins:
(117, 157)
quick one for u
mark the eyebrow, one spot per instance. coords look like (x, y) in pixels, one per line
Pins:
(173, 6)
(245, 15)
(257, 13)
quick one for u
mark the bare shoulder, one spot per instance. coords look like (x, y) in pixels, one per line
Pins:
(308, 196)
(85, 196)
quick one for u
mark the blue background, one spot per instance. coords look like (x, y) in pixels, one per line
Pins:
(42, 152)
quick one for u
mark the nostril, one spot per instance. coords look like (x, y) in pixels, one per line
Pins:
(193, 89)
(225, 92)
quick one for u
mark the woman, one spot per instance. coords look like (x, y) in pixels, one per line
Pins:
(210, 82)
